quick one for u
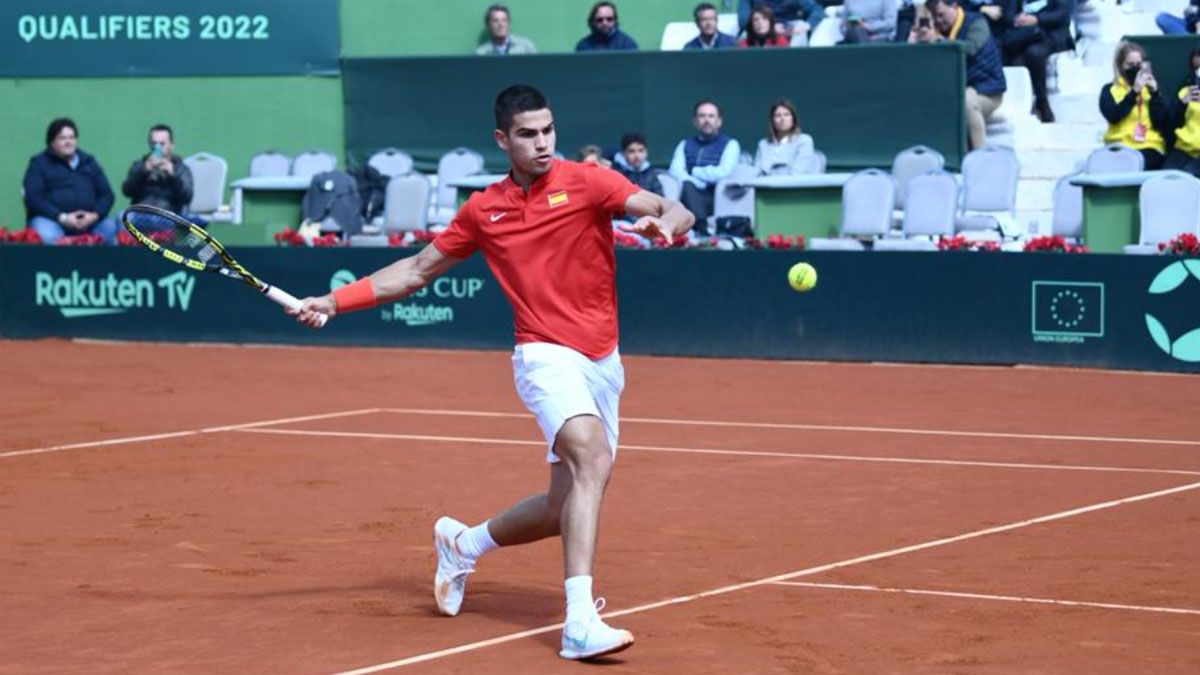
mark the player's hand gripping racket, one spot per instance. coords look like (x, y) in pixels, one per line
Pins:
(187, 244)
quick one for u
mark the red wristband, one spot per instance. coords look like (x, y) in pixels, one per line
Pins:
(355, 296)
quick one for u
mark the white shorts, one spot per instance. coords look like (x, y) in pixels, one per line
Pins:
(557, 383)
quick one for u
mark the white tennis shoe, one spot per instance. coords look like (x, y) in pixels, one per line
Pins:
(590, 637)
(450, 581)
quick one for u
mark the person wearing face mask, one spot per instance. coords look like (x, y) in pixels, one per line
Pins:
(606, 34)
(1185, 120)
(784, 149)
(1137, 114)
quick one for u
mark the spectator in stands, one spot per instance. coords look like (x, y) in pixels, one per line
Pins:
(1028, 39)
(593, 154)
(705, 15)
(785, 149)
(606, 32)
(1137, 114)
(66, 191)
(634, 163)
(160, 178)
(762, 31)
(868, 21)
(702, 160)
(793, 19)
(500, 42)
(1170, 24)
(1185, 120)
(985, 71)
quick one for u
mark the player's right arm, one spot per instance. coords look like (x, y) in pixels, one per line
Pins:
(398, 280)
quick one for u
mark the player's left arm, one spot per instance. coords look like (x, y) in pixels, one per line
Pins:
(656, 216)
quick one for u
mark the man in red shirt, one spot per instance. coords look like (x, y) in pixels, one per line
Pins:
(546, 234)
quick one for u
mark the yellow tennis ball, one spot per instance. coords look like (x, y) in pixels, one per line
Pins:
(802, 277)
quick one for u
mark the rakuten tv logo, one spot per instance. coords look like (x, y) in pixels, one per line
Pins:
(78, 296)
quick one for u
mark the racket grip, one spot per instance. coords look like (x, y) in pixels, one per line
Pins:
(285, 299)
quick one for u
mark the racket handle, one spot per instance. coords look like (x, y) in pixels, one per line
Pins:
(285, 299)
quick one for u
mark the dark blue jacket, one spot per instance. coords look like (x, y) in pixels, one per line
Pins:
(52, 187)
(720, 40)
(985, 68)
(699, 151)
(615, 40)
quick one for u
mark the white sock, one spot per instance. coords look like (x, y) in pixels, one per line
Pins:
(473, 542)
(579, 597)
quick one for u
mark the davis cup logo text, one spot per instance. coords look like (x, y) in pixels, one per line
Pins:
(415, 314)
(78, 296)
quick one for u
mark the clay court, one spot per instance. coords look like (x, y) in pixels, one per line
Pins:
(209, 509)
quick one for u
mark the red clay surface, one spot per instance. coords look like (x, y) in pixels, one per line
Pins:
(250, 552)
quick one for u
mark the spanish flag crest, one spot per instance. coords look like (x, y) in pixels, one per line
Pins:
(557, 199)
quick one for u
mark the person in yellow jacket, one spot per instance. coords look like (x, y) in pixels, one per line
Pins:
(1185, 120)
(1138, 115)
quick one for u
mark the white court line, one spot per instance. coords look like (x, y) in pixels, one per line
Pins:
(982, 596)
(429, 656)
(826, 427)
(178, 434)
(722, 451)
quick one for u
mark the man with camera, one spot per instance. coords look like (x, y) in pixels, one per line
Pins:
(160, 178)
(985, 69)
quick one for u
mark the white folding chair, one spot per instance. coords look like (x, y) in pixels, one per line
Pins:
(867, 199)
(270, 163)
(911, 162)
(457, 163)
(209, 172)
(406, 204)
(1067, 220)
(391, 162)
(671, 188)
(1114, 159)
(989, 197)
(313, 162)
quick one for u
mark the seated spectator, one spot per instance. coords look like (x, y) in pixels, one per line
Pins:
(702, 160)
(762, 30)
(160, 178)
(985, 71)
(1137, 114)
(66, 191)
(705, 15)
(991, 10)
(1028, 39)
(868, 21)
(500, 42)
(1170, 24)
(593, 154)
(606, 32)
(634, 163)
(784, 149)
(793, 19)
(1185, 120)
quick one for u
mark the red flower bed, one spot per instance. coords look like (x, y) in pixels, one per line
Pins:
(961, 243)
(1186, 244)
(27, 235)
(1054, 244)
(79, 240)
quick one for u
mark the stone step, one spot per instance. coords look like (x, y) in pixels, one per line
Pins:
(1058, 136)
(1050, 164)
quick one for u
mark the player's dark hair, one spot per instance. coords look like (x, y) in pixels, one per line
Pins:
(702, 7)
(705, 101)
(162, 127)
(56, 127)
(596, 8)
(516, 99)
(628, 139)
(487, 16)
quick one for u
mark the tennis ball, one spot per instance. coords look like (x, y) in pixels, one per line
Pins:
(802, 277)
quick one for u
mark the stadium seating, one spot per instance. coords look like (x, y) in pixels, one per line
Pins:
(270, 163)
(1068, 209)
(391, 162)
(867, 200)
(1114, 159)
(989, 198)
(209, 173)
(313, 162)
(1170, 206)
(457, 163)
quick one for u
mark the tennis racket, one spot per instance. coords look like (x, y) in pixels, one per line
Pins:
(189, 245)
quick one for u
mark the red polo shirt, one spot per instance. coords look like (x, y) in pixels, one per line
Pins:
(551, 250)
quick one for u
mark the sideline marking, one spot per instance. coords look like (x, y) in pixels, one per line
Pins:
(429, 656)
(179, 434)
(721, 451)
(825, 427)
(983, 596)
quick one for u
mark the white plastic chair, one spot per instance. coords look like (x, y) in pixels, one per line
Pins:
(989, 197)
(910, 162)
(270, 163)
(1114, 159)
(814, 163)
(406, 203)
(671, 188)
(1170, 206)
(391, 162)
(931, 206)
(313, 162)
(209, 172)
(867, 199)
(457, 163)
(1067, 221)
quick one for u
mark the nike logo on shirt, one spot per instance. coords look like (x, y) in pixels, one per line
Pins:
(496, 216)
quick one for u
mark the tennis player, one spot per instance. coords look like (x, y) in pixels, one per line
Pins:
(546, 234)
